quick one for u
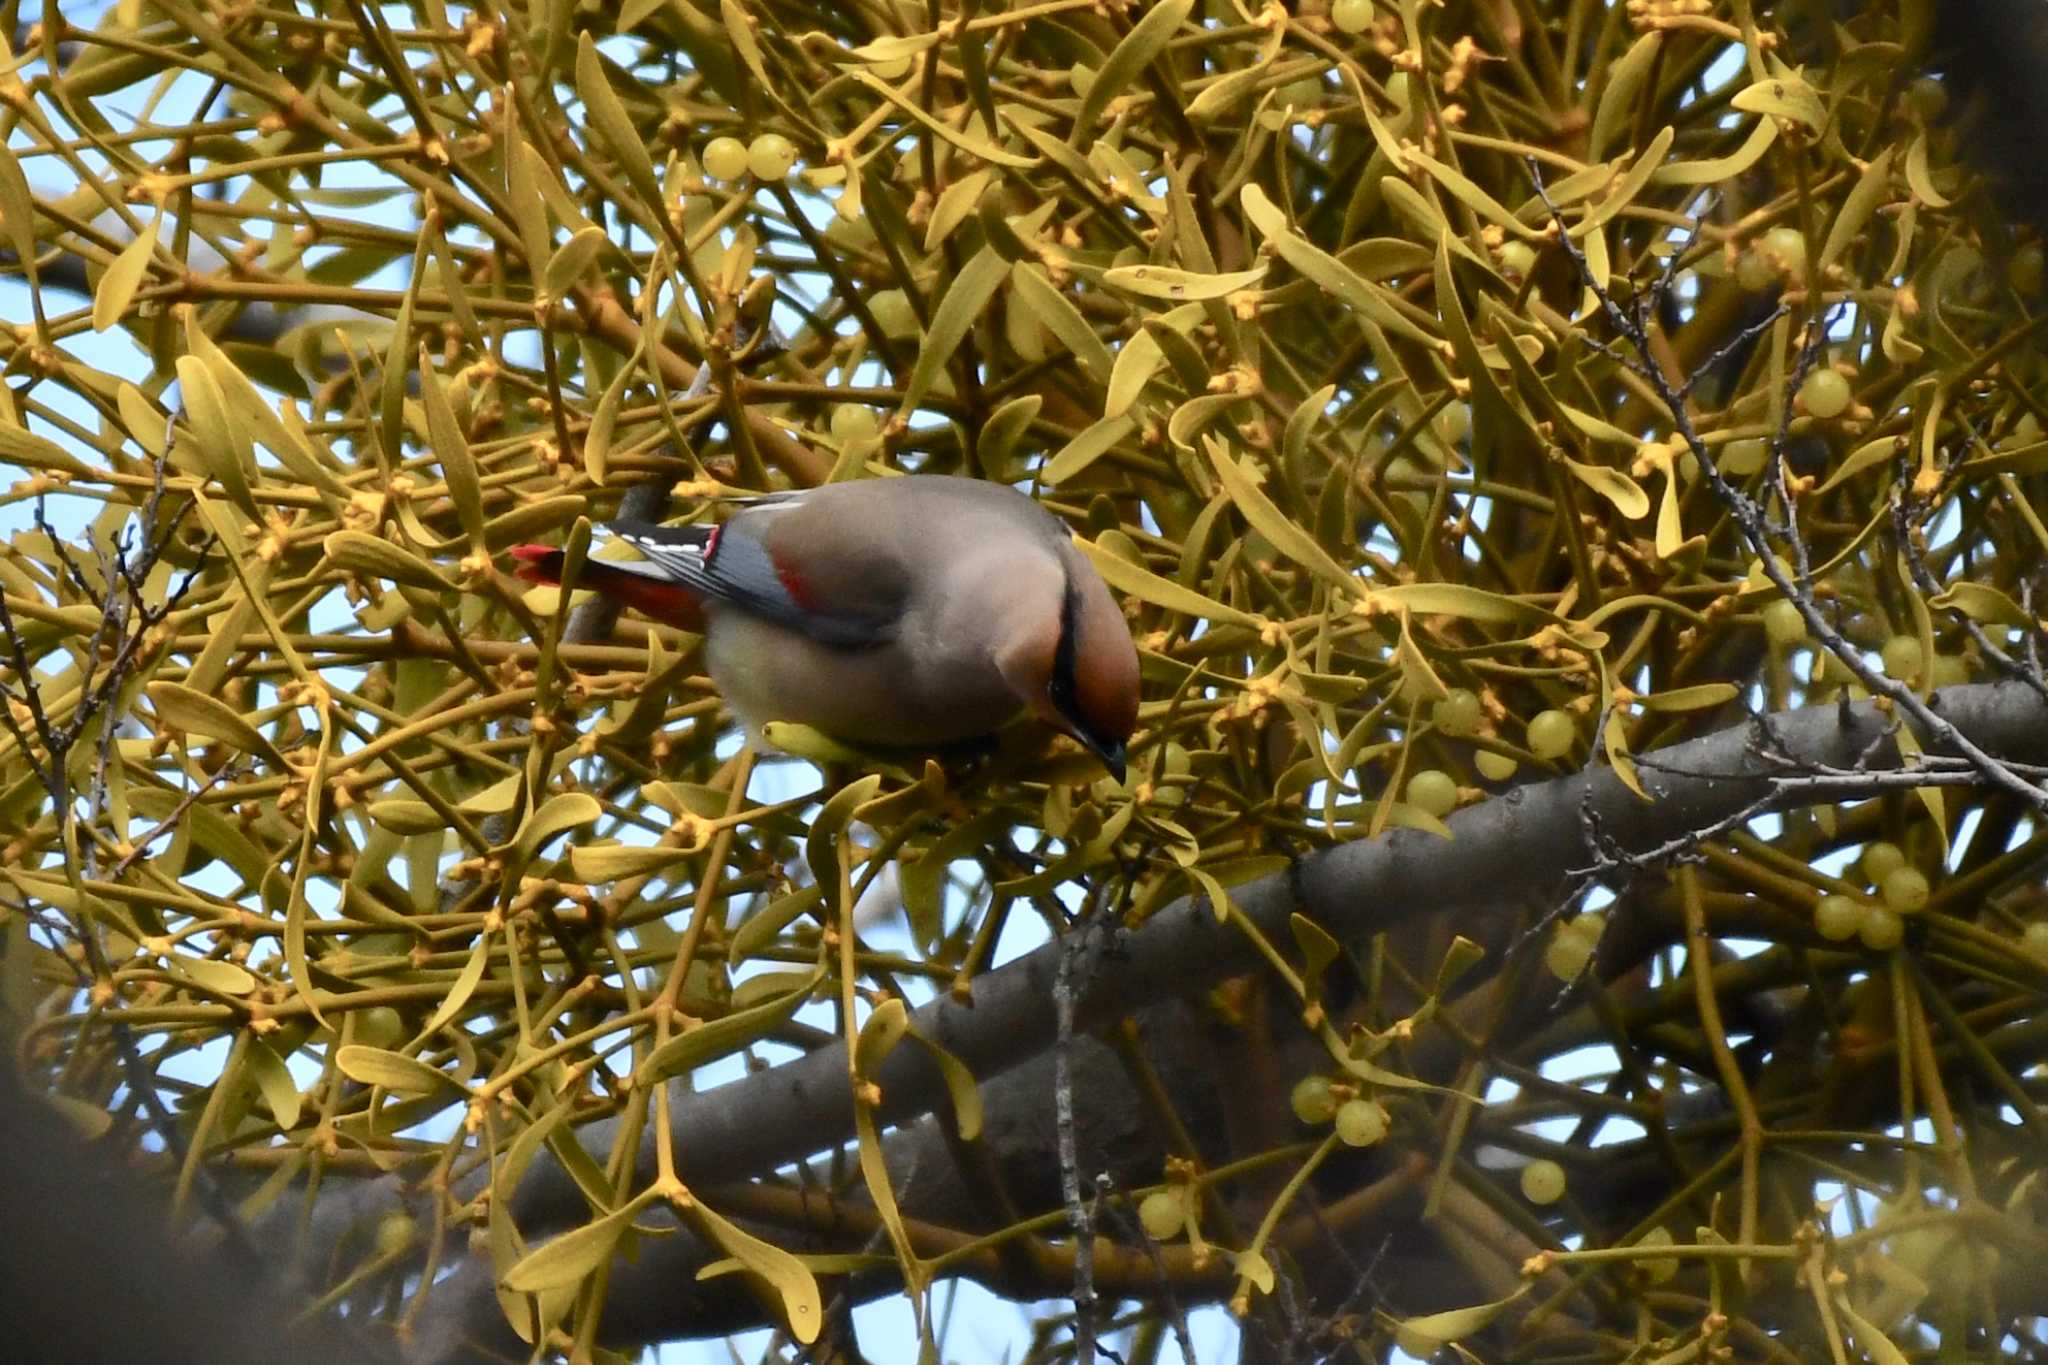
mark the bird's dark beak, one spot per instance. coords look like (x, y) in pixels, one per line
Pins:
(1113, 755)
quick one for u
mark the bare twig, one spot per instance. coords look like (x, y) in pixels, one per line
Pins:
(1751, 522)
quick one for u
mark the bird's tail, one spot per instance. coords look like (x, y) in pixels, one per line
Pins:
(664, 601)
(538, 563)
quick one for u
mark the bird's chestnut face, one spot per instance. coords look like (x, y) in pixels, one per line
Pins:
(1092, 686)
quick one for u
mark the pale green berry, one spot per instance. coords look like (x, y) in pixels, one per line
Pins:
(1361, 1123)
(1825, 394)
(1312, 1099)
(1879, 860)
(1904, 890)
(1783, 623)
(1568, 952)
(2034, 939)
(1453, 422)
(1163, 1214)
(1517, 259)
(1351, 16)
(1432, 792)
(1543, 1182)
(1551, 734)
(1657, 1269)
(395, 1231)
(1457, 713)
(1302, 94)
(892, 312)
(1740, 459)
(1926, 97)
(2025, 270)
(1494, 767)
(1836, 918)
(725, 158)
(770, 156)
(1786, 246)
(1397, 89)
(852, 422)
(1755, 271)
(1902, 657)
(1880, 929)
(378, 1026)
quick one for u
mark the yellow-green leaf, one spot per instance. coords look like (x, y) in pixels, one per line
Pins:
(960, 1087)
(124, 276)
(1086, 448)
(1424, 1336)
(567, 1259)
(999, 435)
(1785, 96)
(373, 556)
(1982, 602)
(965, 298)
(1861, 203)
(1698, 697)
(201, 714)
(793, 1283)
(391, 1070)
(1625, 493)
(275, 1084)
(1720, 168)
(1061, 318)
(1920, 175)
(560, 812)
(722, 1037)
(403, 816)
(1147, 586)
(571, 259)
(1285, 534)
(955, 204)
(601, 102)
(1624, 79)
(222, 978)
(604, 863)
(1453, 599)
(1146, 40)
(224, 446)
(1164, 282)
(451, 448)
(464, 987)
(1326, 270)
(1873, 452)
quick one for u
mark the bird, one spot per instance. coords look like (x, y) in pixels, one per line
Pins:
(909, 612)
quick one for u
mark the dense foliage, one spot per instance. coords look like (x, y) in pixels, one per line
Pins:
(1462, 397)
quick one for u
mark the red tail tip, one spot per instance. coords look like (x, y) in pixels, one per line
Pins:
(538, 563)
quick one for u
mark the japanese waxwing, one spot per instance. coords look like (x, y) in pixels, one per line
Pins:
(908, 612)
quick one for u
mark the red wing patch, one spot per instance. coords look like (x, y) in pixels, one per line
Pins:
(793, 582)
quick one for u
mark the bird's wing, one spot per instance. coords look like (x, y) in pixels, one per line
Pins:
(780, 560)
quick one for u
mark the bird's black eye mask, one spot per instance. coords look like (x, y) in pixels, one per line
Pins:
(1062, 690)
(1064, 693)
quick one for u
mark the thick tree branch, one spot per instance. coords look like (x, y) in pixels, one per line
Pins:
(1528, 838)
